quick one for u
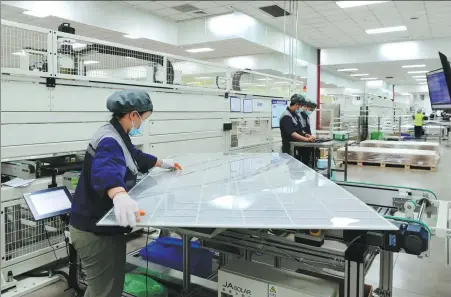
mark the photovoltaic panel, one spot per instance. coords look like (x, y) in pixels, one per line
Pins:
(262, 191)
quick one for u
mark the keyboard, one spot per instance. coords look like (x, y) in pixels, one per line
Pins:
(323, 140)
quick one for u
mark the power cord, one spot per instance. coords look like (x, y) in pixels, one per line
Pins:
(50, 244)
(147, 260)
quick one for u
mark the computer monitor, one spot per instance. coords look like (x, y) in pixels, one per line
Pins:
(247, 105)
(438, 90)
(446, 66)
(49, 202)
(235, 104)
(277, 108)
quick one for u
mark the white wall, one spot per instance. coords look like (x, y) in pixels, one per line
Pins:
(243, 26)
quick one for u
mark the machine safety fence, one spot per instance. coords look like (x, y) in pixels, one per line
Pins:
(24, 236)
(28, 50)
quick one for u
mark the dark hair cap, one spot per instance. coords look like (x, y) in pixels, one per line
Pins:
(126, 101)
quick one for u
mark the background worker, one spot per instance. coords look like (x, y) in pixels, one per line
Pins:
(109, 172)
(306, 111)
(418, 120)
(291, 127)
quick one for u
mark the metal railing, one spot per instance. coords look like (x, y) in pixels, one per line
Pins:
(33, 51)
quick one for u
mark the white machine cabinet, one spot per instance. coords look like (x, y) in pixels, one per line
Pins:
(246, 279)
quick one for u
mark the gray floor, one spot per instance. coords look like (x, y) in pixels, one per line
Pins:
(413, 277)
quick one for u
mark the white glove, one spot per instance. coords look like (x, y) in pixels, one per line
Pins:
(170, 164)
(125, 209)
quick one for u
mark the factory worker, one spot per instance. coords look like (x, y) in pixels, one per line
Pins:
(418, 120)
(110, 169)
(305, 117)
(291, 126)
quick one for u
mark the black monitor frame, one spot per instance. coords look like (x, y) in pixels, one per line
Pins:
(437, 106)
(31, 206)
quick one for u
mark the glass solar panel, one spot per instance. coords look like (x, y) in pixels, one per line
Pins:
(259, 191)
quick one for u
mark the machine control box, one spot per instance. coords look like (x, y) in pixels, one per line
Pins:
(247, 279)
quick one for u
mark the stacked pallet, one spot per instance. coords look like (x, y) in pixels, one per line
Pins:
(406, 158)
(414, 145)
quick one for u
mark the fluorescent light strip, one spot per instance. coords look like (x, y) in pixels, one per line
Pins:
(264, 79)
(423, 83)
(204, 77)
(348, 4)
(132, 36)
(362, 74)
(421, 79)
(21, 53)
(418, 71)
(261, 85)
(418, 76)
(386, 30)
(347, 69)
(368, 78)
(414, 66)
(199, 50)
(37, 14)
(90, 62)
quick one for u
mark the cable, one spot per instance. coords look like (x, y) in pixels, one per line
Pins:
(50, 244)
(147, 260)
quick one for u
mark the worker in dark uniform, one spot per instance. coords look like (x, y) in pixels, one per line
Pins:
(305, 113)
(291, 128)
(109, 172)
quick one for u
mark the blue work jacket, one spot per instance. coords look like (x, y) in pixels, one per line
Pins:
(111, 160)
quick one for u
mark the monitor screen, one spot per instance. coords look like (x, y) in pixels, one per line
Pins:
(277, 108)
(247, 105)
(438, 90)
(235, 104)
(49, 203)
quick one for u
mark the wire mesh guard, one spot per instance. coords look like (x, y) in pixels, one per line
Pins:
(250, 82)
(249, 132)
(24, 236)
(23, 49)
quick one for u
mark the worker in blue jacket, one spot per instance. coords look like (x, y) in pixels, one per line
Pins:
(110, 170)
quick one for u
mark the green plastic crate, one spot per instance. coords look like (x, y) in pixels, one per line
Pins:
(377, 135)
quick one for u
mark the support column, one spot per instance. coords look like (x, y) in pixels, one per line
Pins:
(277, 262)
(186, 263)
(386, 274)
(354, 281)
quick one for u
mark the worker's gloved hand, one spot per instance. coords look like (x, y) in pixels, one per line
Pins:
(126, 210)
(170, 164)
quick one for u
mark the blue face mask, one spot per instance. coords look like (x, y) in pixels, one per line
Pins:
(136, 131)
(308, 112)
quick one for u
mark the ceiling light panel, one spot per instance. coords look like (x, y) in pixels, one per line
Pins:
(418, 76)
(360, 74)
(347, 69)
(417, 71)
(38, 14)
(368, 78)
(132, 36)
(414, 66)
(200, 50)
(348, 4)
(386, 30)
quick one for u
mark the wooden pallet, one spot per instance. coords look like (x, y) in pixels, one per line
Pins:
(393, 165)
